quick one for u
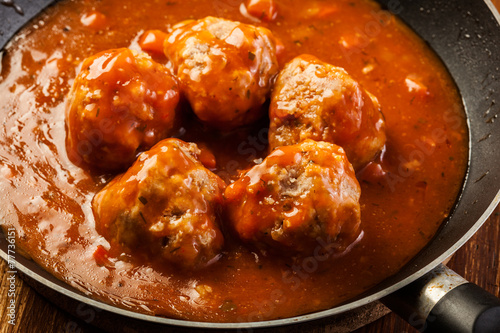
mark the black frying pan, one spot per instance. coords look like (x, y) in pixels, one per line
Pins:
(466, 35)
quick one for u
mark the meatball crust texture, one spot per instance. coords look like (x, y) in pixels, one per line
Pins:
(226, 69)
(120, 104)
(315, 100)
(167, 205)
(300, 196)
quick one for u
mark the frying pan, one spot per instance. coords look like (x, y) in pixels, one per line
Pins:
(466, 36)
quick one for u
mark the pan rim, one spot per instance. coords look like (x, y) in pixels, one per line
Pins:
(80, 297)
(260, 324)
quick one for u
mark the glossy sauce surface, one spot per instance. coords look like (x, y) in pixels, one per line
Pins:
(405, 195)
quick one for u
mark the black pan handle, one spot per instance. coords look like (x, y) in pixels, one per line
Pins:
(442, 301)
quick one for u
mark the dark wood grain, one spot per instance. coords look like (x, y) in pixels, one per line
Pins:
(478, 261)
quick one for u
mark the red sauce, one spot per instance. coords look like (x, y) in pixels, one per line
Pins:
(405, 195)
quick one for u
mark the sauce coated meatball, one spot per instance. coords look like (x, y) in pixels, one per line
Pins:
(301, 196)
(120, 103)
(226, 69)
(166, 205)
(315, 100)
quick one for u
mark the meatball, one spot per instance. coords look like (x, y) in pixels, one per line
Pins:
(226, 69)
(301, 196)
(315, 100)
(167, 205)
(120, 103)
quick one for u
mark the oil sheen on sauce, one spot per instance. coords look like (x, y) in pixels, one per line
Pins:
(405, 197)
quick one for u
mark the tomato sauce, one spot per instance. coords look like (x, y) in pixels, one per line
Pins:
(406, 193)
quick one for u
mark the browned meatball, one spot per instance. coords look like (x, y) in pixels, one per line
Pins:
(315, 100)
(120, 103)
(226, 69)
(300, 197)
(166, 205)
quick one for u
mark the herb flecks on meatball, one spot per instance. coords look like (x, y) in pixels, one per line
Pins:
(166, 205)
(315, 100)
(226, 69)
(121, 103)
(298, 197)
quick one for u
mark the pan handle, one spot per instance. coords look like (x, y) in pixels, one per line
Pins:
(442, 301)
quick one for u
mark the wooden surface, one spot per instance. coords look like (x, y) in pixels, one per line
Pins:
(477, 261)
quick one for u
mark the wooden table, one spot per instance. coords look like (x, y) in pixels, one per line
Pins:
(478, 261)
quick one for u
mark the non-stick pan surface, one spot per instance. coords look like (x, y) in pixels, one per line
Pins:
(466, 36)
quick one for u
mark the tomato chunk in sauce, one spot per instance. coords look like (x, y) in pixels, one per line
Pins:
(407, 186)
